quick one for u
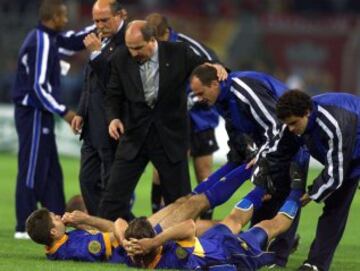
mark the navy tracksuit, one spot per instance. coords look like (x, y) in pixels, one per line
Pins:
(247, 102)
(332, 136)
(202, 118)
(36, 94)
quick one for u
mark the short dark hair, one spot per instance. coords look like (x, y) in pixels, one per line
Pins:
(39, 225)
(160, 23)
(49, 8)
(141, 228)
(205, 73)
(148, 31)
(293, 103)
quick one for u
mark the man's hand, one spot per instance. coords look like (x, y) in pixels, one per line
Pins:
(69, 116)
(92, 42)
(120, 228)
(139, 246)
(116, 129)
(221, 71)
(251, 163)
(77, 124)
(75, 218)
(305, 199)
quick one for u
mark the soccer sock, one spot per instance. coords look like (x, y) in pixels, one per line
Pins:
(292, 203)
(258, 235)
(223, 190)
(156, 196)
(207, 215)
(213, 178)
(157, 229)
(252, 200)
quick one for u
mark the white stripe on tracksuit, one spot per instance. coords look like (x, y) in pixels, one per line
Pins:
(195, 46)
(36, 133)
(261, 115)
(41, 80)
(335, 151)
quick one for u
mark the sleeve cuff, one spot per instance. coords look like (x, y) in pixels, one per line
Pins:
(94, 55)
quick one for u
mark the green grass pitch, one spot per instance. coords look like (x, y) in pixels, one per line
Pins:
(24, 255)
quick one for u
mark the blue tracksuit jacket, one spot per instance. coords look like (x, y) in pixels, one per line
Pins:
(201, 118)
(332, 136)
(37, 82)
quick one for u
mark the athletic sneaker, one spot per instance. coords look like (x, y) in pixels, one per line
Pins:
(21, 235)
(308, 267)
(275, 266)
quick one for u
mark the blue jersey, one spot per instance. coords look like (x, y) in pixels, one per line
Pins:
(332, 136)
(217, 246)
(37, 82)
(202, 117)
(89, 246)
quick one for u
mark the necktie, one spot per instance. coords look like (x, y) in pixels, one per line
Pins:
(149, 84)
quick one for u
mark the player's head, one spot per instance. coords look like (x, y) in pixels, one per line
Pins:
(205, 84)
(44, 227)
(161, 25)
(54, 14)
(140, 228)
(140, 39)
(293, 108)
(107, 16)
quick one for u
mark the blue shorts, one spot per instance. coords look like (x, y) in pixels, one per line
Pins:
(244, 249)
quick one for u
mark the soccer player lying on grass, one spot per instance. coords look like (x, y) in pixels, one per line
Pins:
(92, 240)
(177, 247)
(81, 244)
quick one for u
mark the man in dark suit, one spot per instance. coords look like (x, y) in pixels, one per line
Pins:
(146, 106)
(98, 149)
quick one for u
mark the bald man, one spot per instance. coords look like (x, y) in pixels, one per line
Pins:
(98, 149)
(146, 108)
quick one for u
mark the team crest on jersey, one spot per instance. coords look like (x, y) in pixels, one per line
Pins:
(181, 253)
(94, 247)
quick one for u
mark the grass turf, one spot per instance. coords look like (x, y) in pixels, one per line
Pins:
(25, 255)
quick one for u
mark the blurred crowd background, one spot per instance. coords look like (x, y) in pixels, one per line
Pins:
(312, 45)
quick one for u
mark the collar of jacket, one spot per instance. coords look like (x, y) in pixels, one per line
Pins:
(119, 36)
(173, 35)
(224, 89)
(43, 28)
(312, 118)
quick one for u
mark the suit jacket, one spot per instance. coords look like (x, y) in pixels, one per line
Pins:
(91, 107)
(125, 100)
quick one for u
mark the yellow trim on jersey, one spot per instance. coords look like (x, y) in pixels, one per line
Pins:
(156, 260)
(195, 243)
(56, 245)
(115, 243)
(107, 241)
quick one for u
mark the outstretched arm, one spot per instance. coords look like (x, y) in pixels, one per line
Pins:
(79, 219)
